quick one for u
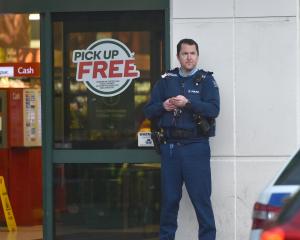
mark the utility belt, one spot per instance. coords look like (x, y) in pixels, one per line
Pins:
(179, 133)
(165, 135)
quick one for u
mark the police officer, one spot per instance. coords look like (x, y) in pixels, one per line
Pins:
(185, 102)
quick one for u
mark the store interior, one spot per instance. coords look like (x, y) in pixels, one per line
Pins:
(20, 126)
(111, 201)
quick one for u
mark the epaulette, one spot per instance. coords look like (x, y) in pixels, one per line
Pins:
(201, 75)
(170, 73)
(206, 73)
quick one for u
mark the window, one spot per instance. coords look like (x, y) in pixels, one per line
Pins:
(107, 201)
(84, 120)
(290, 175)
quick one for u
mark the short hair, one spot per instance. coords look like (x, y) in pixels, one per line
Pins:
(189, 42)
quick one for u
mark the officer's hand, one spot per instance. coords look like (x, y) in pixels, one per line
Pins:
(168, 106)
(179, 101)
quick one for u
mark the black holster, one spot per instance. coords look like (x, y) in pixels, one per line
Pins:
(204, 125)
(158, 139)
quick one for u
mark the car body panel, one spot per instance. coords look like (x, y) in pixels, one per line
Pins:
(276, 195)
(287, 224)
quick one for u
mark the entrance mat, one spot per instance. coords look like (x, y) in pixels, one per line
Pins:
(108, 236)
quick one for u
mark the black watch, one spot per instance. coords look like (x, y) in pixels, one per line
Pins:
(188, 105)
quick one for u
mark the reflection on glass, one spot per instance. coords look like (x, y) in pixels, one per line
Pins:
(14, 30)
(107, 201)
(86, 120)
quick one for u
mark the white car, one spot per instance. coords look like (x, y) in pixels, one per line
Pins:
(272, 198)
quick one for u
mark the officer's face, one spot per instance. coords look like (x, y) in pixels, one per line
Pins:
(188, 57)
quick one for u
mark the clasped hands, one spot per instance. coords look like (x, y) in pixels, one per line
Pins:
(175, 102)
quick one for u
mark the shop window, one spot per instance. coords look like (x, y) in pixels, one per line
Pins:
(84, 119)
(19, 43)
(20, 119)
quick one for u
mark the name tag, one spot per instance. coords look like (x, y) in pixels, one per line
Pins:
(193, 91)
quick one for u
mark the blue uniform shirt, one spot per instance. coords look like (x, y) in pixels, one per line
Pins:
(203, 96)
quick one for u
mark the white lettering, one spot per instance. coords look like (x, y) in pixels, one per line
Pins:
(193, 91)
(22, 70)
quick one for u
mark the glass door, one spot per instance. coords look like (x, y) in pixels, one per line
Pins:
(104, 64)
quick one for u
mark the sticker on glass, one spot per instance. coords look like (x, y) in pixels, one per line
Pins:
(106, 67)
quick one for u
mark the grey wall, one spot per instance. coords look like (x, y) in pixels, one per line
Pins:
(251, 46)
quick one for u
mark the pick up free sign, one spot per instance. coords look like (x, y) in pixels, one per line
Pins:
(106, 67)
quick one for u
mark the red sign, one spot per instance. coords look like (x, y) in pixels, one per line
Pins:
(20, 69)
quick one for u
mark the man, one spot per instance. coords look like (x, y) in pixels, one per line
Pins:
(185, 102)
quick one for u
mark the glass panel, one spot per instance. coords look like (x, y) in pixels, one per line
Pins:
(20, 152)
(290, 175)
(84, 119)
(107, 201)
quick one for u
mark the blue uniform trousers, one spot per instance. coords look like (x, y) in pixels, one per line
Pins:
(188, 163)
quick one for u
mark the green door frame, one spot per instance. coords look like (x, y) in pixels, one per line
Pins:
(51, 156)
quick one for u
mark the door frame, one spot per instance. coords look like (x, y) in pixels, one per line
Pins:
(50, 155)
